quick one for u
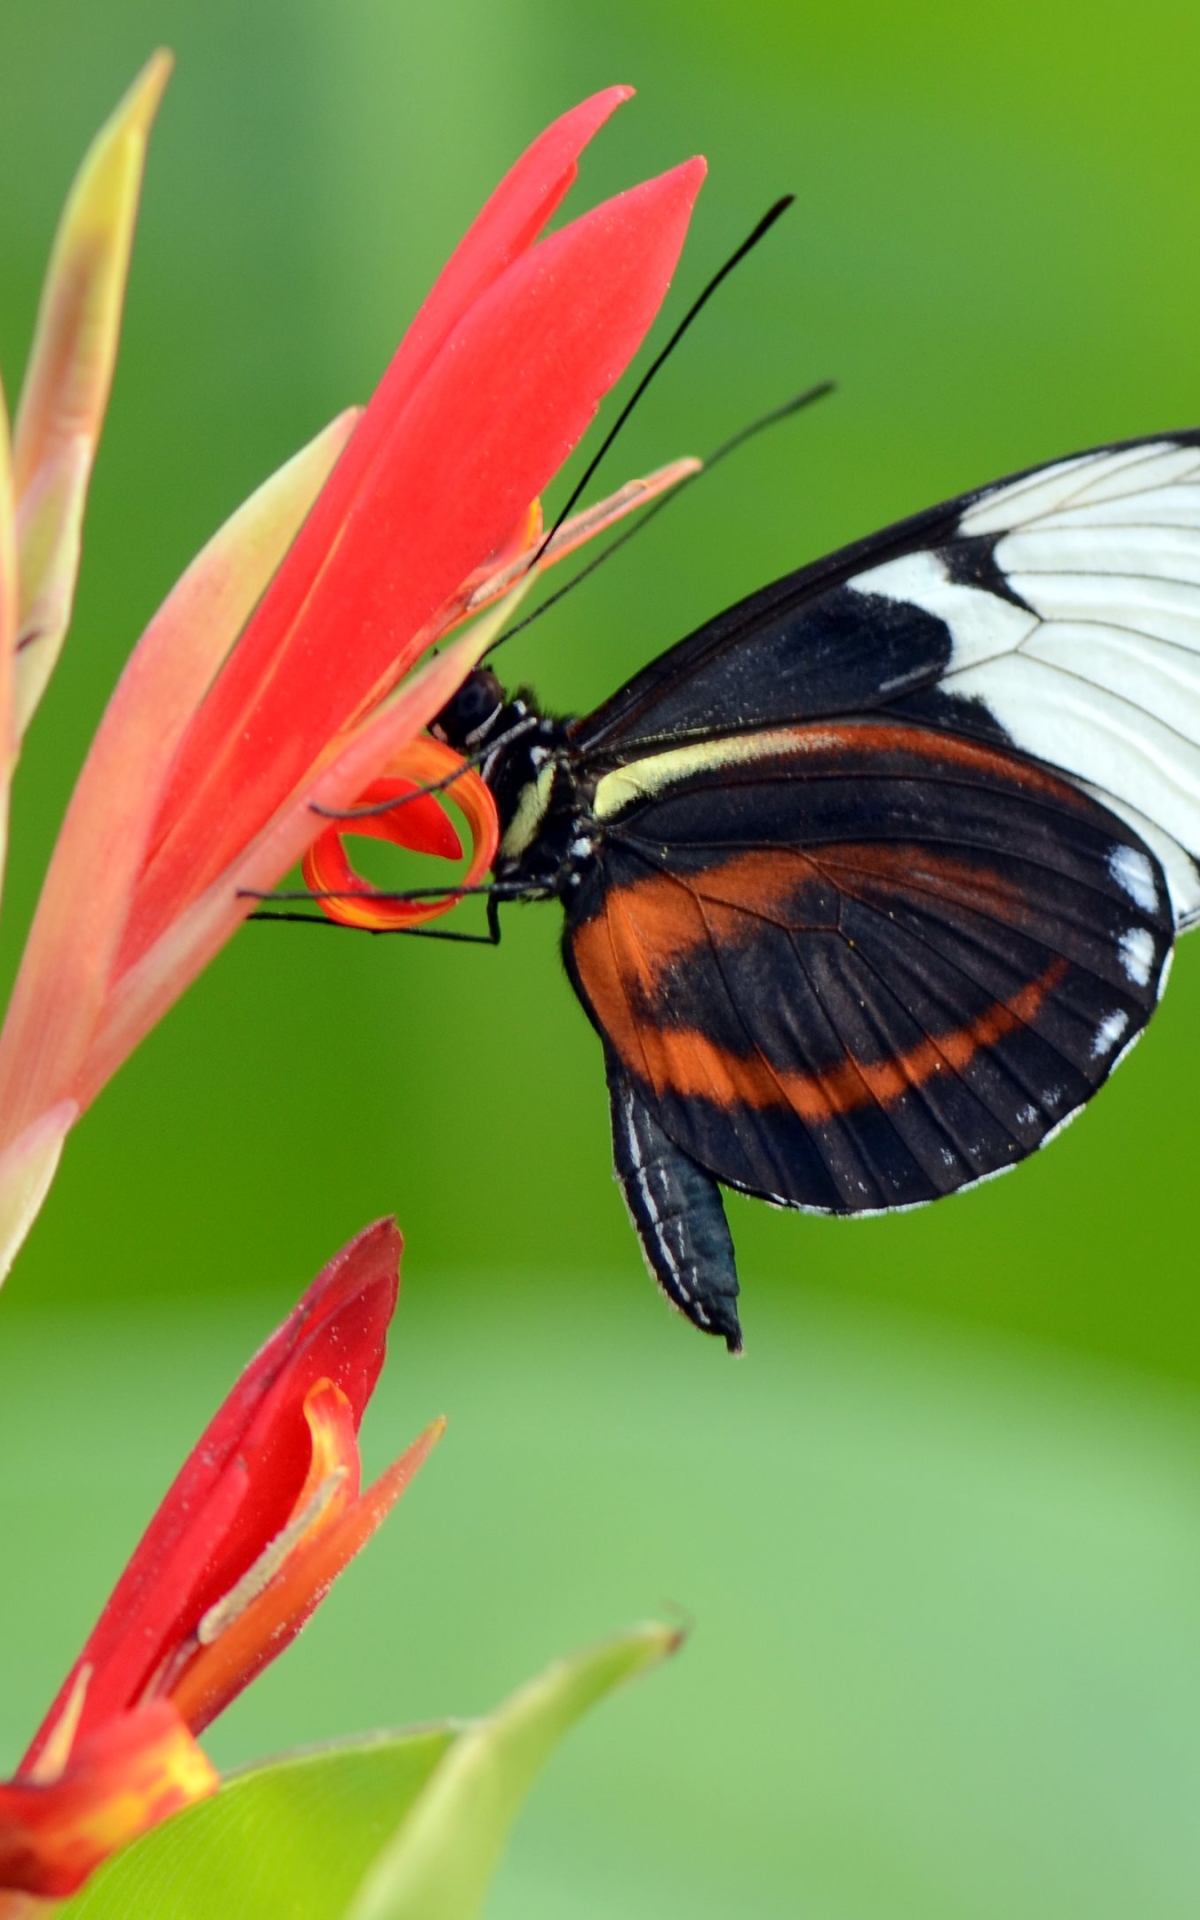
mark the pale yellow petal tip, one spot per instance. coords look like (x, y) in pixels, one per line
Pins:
(418, 1451)
(104, 195)
(79, 317)
(27, 1168)
(333, 439)
(106, 186)
(137, 109)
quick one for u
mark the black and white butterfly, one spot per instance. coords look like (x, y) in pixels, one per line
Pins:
(872, 880)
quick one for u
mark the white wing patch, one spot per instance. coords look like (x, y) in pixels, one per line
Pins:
(982, 624)
(1183, 882)
(1111, 1029)
(1137, 954)
(1131, 870)
(1098, 672)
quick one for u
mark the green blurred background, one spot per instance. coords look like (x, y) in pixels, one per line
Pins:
(939, 1532)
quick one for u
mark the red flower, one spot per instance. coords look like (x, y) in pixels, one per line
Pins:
(265, 683)
(260, 1521)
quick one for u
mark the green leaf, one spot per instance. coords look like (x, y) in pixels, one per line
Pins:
(447, 1846)
(403, 1826)
(291, 1839)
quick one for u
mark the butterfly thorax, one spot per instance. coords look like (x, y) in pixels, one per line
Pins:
(522, 756)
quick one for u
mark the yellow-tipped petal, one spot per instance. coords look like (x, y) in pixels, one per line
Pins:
(26, 1170)
(50, 530)
(85, 900)
(69, 375)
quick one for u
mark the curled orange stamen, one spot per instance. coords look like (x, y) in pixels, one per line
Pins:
(422, 763)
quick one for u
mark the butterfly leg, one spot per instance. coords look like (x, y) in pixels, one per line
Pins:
(677, 1213)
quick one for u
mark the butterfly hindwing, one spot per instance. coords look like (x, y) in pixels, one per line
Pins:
(860, 965)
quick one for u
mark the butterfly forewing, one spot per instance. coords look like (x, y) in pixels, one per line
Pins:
(859, 965)
(1058, 612)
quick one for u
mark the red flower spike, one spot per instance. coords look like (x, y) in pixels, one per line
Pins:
(492, 420)
(502, 232)
(263, 1516)
(239, 1485)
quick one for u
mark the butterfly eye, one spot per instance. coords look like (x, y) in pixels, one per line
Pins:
(477, 701)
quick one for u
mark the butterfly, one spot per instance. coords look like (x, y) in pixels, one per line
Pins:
(871, 881)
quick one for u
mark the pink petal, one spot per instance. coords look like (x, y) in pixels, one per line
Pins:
(67, 384)
(498, 411)
(27, 1168)
(81, 915)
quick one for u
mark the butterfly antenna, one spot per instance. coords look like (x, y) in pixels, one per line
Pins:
(748, 244)
(785, 411)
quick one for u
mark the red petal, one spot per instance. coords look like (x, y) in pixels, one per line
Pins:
(238, 1486)
(495, 416)
(275, 1616)
(507, 226)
